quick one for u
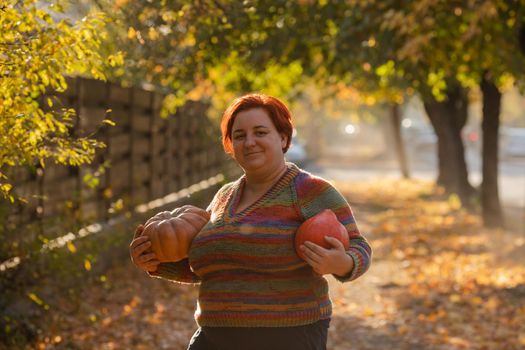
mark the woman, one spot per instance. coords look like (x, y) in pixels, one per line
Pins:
(255, 292)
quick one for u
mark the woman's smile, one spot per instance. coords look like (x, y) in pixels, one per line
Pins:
(252, 153)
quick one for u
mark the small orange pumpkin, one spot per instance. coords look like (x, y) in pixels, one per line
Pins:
(171, 233)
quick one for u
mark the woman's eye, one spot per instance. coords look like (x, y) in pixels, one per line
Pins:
(261, 133)
(238, 137)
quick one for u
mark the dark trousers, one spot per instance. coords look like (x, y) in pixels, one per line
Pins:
(308, 337)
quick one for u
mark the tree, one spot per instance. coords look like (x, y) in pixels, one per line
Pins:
(37, 52)
(464, 45)
(440, 50)
(217, 49)
(382, 39)
(437, 49)
(498, 63)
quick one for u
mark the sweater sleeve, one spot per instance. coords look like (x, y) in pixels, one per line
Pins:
(315, 194)
(179, 271)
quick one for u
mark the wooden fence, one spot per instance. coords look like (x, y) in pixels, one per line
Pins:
(146, 158)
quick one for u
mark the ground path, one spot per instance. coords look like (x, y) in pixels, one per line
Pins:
(438, 281)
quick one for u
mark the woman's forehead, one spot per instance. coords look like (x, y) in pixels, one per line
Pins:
(252, 118)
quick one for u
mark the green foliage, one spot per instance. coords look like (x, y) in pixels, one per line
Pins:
(217, 50)
(383, 48)
(37, 52)
(195, 50)
(434, 44)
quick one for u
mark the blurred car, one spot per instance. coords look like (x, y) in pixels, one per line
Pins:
(422, 135)
(513, 142)
(297, 153)
(471, 136)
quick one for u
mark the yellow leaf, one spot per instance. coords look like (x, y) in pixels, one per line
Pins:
(87, 265)
(368, 312)
(477, 300)
(455, 298)
(492, 303)
(132, 33)
(38, 301)
(454, 202)
(117, 205)
(127, 310)
(35, 298)
(6, 187)
(153, 34)
(71, 247)
(107, 193)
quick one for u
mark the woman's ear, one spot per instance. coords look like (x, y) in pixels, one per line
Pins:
(284, 141)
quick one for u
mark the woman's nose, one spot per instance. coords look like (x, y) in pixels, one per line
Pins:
(249, 140)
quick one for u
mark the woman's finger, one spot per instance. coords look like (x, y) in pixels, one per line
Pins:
(152, 265)
(138, 241)
(138, 250)
(310, 255)
(315, 248)
(311, 262)
(147, 257)
(334, 242)
(138, 231)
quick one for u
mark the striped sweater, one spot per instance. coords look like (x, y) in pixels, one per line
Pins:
(246, 264)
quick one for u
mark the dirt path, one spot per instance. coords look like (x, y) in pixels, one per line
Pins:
(438, 281)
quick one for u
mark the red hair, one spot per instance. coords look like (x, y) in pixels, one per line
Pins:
(276, 109)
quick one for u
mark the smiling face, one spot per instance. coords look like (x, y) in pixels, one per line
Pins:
(257, 145)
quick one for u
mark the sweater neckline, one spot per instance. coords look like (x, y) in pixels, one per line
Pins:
(277, 187)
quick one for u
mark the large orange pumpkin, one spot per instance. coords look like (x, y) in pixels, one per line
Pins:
(317, 227)
(171, 233)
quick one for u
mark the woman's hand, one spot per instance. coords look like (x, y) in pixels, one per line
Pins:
(138, 250)
(328, 261)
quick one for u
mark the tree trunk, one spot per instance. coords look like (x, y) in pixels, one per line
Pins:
(448, 119)
(398, 140)
(490, 202)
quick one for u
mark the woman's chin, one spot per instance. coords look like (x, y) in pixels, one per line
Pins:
(253, 165)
